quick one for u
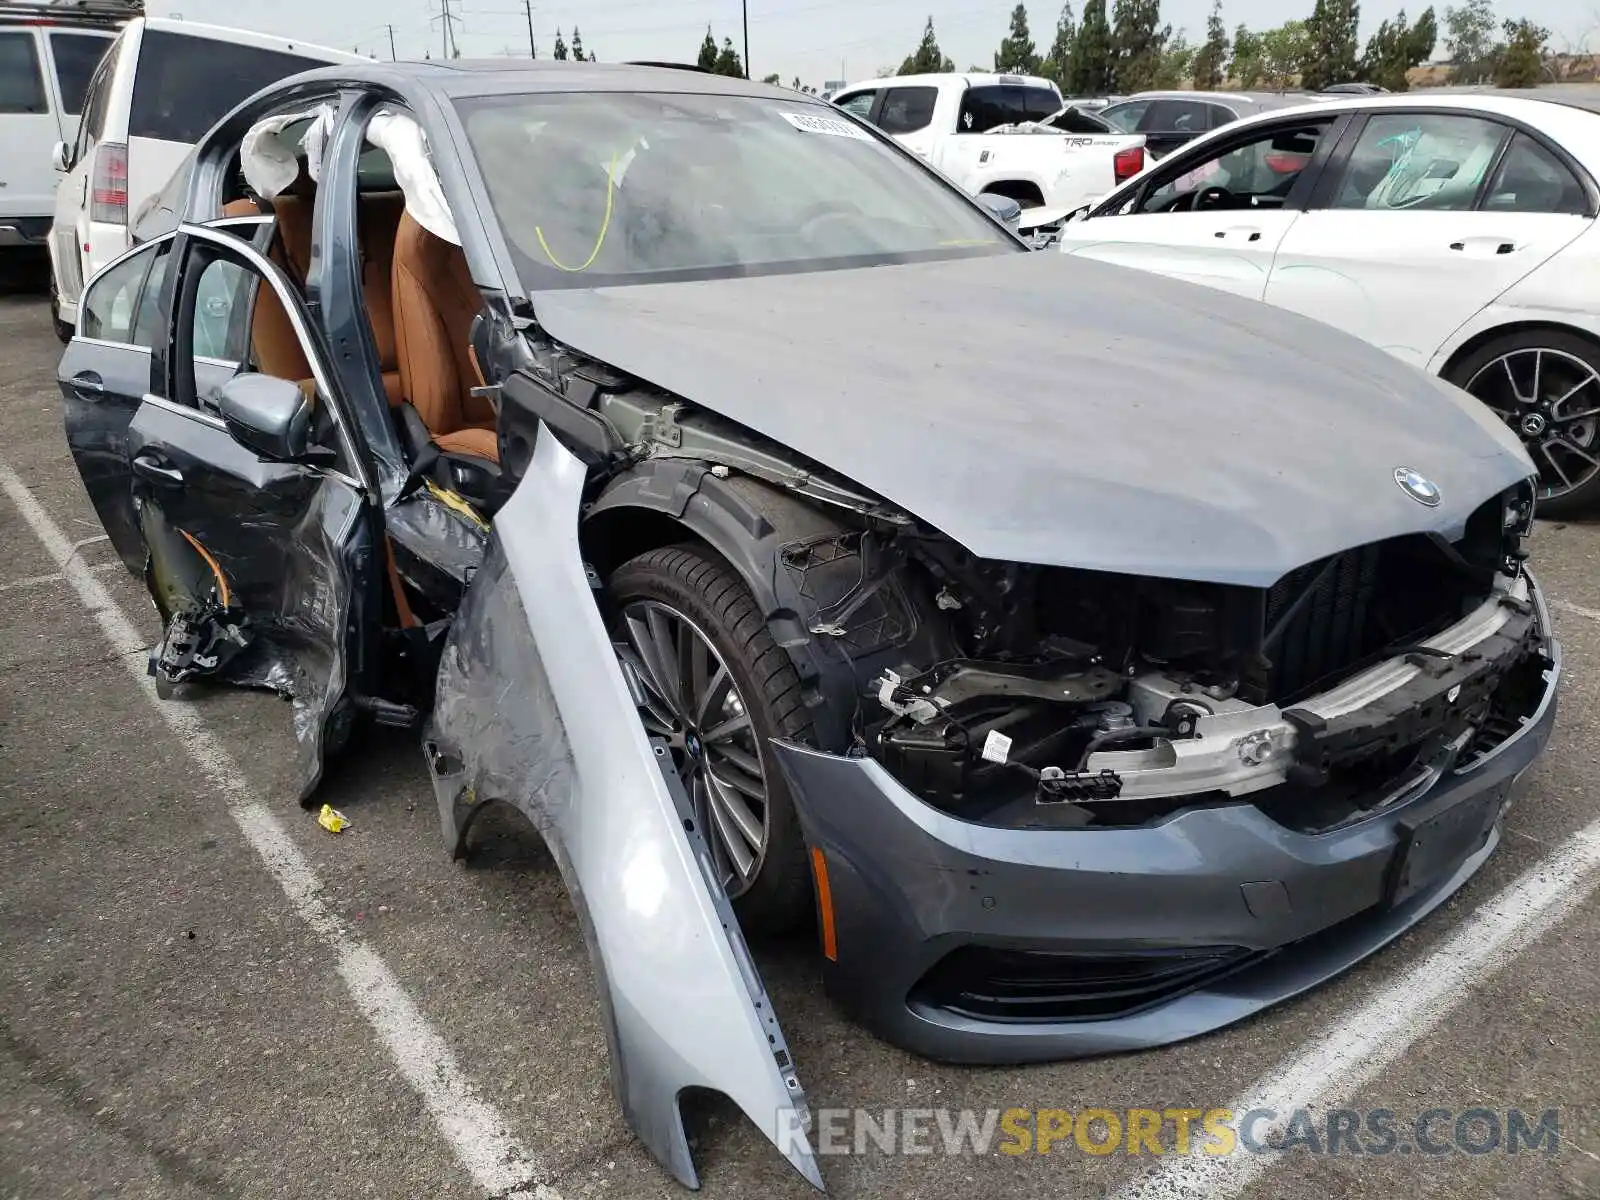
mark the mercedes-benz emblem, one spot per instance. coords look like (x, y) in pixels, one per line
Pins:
(1418, 486)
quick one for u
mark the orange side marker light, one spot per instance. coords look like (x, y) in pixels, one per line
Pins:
(830, 937)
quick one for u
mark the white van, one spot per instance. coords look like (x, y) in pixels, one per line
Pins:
(159, 88)
(47, 54)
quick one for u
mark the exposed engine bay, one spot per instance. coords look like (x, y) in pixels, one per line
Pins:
(1082, 698)
(1053, 697)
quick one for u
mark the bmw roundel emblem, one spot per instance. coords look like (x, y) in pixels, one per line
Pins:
(1418, 486)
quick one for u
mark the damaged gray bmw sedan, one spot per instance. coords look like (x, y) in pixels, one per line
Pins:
(1096, 659)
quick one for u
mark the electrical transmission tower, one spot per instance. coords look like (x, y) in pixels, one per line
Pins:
(447, 20)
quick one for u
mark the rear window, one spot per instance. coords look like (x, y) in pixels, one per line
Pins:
(76, 55)
(907, 109)
(21, 86)
(186, 84)
(988, 105)
(1075, 120)
(1184, 116)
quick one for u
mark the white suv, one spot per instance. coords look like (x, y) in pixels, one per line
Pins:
(158, 89)
(47, 53)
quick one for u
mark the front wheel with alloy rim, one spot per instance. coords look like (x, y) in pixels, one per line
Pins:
(1545, 385)
(711, 682)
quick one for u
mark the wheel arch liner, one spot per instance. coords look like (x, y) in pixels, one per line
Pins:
(684, 1006)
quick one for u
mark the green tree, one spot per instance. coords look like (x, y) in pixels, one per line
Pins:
(1212, 57)
(1092, 64)
(1331, 47)
(1282, 51)
(1522, 61)
(577, 45)
(927, 58)
(561, 47)
(1057, 63)
(592, 57)
(1395, 48)
(1247, 62)
(1138, 42)
(1017, 54)
(708, 53)
(775, 79)
(728, 60)
(1177, 62)
(796, 84)
(1469, 41)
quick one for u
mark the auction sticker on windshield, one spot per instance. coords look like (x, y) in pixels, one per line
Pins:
(807, 123)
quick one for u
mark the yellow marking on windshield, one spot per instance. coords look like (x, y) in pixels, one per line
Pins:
(966, 242)
(605, 225)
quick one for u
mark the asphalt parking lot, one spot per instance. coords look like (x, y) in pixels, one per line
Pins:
(202, 993)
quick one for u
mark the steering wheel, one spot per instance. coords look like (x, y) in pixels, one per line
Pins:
(1209, 196)
(821, 210)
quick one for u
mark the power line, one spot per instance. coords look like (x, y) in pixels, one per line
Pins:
(448, 46)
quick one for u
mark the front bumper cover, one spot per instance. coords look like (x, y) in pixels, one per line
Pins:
(910, 884)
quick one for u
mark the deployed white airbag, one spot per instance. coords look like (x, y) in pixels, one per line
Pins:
(403, 140)
(271, 162)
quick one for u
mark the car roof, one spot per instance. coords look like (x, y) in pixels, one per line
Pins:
(1567, 115)
(82, 16)
(971, 78)
(246, 37)
(459, 78)
(1264, 100)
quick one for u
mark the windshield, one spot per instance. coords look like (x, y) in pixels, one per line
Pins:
(603, 188)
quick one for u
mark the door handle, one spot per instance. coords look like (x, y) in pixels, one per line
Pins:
(157, 472)
(87, 383)
(1498, 245)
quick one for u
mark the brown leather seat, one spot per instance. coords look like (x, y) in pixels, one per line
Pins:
(379, 216)
(435, 302)
(294, 215)
(273, 342)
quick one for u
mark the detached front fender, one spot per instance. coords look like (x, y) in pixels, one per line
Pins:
(532, 710)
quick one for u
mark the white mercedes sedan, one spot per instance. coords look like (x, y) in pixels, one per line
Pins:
(1454, 230)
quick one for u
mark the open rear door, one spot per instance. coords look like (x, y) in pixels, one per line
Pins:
(261, 563)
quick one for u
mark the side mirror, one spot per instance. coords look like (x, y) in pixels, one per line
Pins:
(61, 157)
(1003, 208)
(268, 415)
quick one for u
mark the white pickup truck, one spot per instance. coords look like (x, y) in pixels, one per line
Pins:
(1008, 135)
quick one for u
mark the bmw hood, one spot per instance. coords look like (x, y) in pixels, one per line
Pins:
(1043, 408)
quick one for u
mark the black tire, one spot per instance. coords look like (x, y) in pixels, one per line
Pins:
(1568, 355)
(701, 587)
(64, 331)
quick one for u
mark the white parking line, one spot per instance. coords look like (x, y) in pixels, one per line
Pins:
(1371, 1036)
(478, 1134)
(55, 577)
(1576, 610)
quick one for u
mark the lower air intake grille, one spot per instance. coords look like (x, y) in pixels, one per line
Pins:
(1030, 985)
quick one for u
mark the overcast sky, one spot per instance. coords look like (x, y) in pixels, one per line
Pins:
(817, 40)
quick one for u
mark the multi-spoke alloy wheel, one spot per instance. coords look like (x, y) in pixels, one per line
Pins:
(1546, 388)
(710, 682)
(686, 696)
